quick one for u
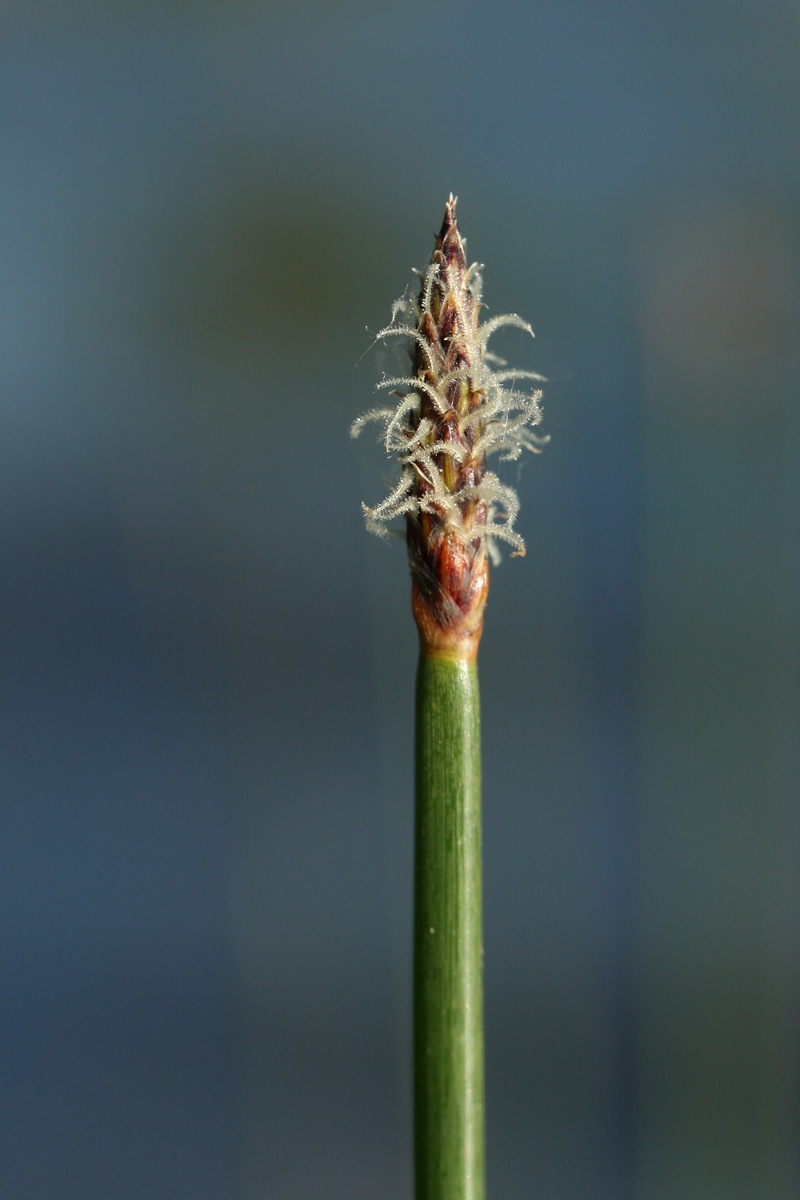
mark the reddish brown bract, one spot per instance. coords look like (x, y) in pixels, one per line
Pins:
(448, 563)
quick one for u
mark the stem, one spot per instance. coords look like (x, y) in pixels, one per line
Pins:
(448, 986)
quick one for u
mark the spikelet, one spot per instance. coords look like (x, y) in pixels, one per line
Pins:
(457, 407)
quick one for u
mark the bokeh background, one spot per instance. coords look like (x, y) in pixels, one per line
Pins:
(206, 211)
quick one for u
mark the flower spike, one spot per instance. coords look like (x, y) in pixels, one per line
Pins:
(455, 410)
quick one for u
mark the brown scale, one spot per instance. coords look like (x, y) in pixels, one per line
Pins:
(450, 572)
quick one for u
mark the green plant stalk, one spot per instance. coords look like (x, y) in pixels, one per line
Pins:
(448, 977)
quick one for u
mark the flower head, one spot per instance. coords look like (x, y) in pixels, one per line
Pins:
(457, 407)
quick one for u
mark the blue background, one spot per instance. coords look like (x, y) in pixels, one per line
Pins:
(207, 666)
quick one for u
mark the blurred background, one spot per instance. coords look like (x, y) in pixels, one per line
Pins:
(206, 211)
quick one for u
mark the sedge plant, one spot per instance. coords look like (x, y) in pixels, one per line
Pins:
(457, 406)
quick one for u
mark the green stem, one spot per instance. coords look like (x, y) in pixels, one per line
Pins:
(448, 985)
